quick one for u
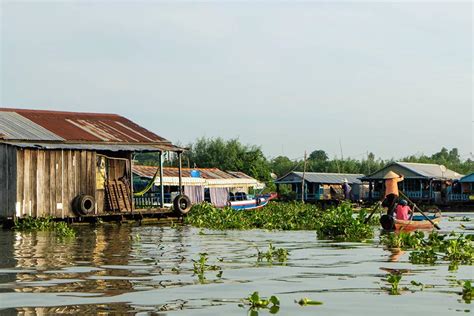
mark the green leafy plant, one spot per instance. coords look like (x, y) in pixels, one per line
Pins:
(256, 302)
(394, 279)
(200, 267)
(403, 240)
(338, 223)
(467, 291)
(424, 256)
(273, 254)
(28, 224)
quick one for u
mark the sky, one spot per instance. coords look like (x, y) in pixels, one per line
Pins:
(392, 78)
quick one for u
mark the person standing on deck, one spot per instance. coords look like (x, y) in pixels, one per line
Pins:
(346, 188)
(391, 191)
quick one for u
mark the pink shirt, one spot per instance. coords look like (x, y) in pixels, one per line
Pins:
(402, 212)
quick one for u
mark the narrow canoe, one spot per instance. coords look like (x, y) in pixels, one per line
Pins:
(417, 222)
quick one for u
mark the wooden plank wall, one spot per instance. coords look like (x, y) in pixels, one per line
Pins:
(7, 180)
(48, 180)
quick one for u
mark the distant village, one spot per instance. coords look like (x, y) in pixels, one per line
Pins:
(81, 165)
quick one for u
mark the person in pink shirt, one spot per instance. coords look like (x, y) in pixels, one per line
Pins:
(403, 210)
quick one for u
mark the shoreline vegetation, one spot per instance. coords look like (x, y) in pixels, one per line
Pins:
(233, 155)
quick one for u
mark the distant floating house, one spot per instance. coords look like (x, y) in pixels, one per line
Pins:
(430, 183)
(320, 186)
(199, 184)
(463, 190)
(68, 164)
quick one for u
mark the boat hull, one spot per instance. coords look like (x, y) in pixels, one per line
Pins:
(251, 204)
(416, 224)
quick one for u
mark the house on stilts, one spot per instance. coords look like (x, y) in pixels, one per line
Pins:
(423, 182)
(320, 186)
(72, 165)
(212, 185)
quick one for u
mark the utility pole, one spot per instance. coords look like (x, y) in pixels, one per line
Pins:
(342, 155)
(302, 181)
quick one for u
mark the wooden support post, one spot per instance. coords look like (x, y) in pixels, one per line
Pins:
(302, 181)
(180, 175)
(162, 189)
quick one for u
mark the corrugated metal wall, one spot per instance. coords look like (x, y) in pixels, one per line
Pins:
(48, 180)
(7, 180)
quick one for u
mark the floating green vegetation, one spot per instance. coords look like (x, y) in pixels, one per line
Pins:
(394, 280)
(256, 302)
(276, 215)
(29, 224)
(339, 223)
(335, 223)
(403, 240)
(454, 248)
(467, 291)
(457, 219)
(273, 254)
(306, 301)
(200, 267)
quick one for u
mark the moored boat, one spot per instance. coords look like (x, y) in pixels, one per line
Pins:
(256, 202)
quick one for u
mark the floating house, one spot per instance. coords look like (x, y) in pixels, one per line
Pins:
(322, 186)
(68, 164)
(430, 183)
(463, 190)
(199, 184)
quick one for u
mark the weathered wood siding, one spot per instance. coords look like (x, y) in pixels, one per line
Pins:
(7, 180)
(48, 180)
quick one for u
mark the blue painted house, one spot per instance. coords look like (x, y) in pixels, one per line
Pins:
(320, 186)
(465, 187)
(430, 183)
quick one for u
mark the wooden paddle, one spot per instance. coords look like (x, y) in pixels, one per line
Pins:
(419, 210)
(376, 207)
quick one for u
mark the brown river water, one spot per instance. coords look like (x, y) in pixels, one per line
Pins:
(148, 270)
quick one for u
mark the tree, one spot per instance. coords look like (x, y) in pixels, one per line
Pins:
(281, 165)
(318, 155)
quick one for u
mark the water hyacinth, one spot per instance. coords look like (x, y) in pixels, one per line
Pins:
(29, 224)
(337, 222)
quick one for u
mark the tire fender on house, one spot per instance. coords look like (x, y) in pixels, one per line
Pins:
(182, 205)
(83, 204)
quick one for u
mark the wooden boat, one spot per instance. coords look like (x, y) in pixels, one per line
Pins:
(417, 222)
(253, 203)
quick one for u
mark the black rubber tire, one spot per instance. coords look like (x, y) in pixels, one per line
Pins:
(387, 222)
(182, 205)
(83, 204)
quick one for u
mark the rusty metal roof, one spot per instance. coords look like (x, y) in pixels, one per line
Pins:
(77, 128)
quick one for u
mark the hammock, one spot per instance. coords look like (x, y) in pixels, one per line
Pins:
(148, 186)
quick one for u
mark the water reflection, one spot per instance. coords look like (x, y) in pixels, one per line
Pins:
(395, 254)
(126, 269)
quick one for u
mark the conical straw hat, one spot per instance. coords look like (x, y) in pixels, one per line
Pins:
(390, 175)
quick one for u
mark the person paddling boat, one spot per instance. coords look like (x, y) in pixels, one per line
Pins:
(391, 191)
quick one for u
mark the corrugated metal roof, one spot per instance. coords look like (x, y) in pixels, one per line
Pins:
(431, 170)
(15, 126)
(206, 173)
(77, 127)
(468, 178)
(411, 170)
(325, 178)
(90, 146)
